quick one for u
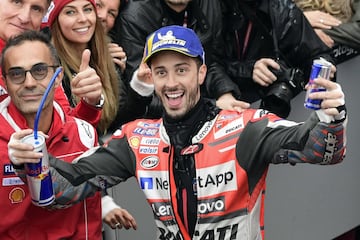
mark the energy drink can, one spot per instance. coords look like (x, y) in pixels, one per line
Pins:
(320, 68)
(38, 174)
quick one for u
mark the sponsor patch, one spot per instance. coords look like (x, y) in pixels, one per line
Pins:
(148, 125)
(134, 142)
(150, 141)
(203, 131)
(12, 181)
(149, 162)
(155, 184)
(148, 150)
(8, 169)
(145, 131)
(191, 149)
(217, 179)
(230, 128)
(17, 195)
(211, 205)
(330, 148)
(162, 210)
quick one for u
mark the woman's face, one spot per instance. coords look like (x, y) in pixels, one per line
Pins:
(107, 11)
(77, 21)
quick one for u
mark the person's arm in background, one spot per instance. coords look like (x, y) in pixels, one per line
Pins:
(116, 216)
(348, 33)
(218, 84)
(130, 36)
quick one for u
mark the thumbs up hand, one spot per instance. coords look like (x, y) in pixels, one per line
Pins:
(87, 84)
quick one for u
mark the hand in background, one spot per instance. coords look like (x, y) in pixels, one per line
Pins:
(322, 20)
(319, 21)
(262, 74)
(118, 218)
(228, 102)
(118, 55)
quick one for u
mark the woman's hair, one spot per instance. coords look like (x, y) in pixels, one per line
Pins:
(341, 9)
(100, 60)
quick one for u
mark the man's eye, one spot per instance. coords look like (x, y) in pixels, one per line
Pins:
(181, 70)
(17, 2)
(160, 73)
(40, 70)
(38, 9)
(15, 73)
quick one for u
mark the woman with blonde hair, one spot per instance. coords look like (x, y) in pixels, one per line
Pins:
(336, 22)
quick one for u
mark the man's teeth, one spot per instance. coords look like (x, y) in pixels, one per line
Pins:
(174, 95)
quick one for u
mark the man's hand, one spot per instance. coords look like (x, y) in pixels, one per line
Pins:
(228, 102)
(118, 218)
(20, 153)
(87, 84)
(262, 74)
(332, 98)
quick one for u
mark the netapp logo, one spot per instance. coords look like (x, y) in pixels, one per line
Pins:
(217, 179)
(153, 183)
(211, 205)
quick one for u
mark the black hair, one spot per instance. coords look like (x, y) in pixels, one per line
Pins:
(30, 36)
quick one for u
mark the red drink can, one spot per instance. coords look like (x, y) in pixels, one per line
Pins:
(320, 68)
(38, 174)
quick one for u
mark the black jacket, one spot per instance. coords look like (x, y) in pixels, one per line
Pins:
(140, 18)
(131, 104)
(297, 41)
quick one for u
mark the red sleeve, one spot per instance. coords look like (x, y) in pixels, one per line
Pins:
(82, 110)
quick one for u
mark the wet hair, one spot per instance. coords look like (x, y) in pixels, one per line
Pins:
(29, 36)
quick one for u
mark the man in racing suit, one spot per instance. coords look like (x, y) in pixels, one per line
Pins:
(201, 169)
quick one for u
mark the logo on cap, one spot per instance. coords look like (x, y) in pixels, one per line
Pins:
(174, 38)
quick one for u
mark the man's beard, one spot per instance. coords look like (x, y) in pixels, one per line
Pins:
(178, 2)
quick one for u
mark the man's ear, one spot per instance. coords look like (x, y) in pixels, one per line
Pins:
(202, 73)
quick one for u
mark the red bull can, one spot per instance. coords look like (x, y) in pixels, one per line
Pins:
(38, 174)
(320, 68)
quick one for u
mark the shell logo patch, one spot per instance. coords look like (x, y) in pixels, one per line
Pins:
(134, 142)
(17, 195)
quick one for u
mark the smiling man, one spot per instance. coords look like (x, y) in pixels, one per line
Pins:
(16, 16)
(201, 169)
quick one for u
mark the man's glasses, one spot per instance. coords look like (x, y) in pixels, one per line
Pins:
(38, 71)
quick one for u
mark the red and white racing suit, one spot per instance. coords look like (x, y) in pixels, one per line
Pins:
(20, 219)
(232, 153)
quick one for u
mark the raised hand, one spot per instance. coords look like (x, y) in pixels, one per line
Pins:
(118, 55)
(87, 84)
